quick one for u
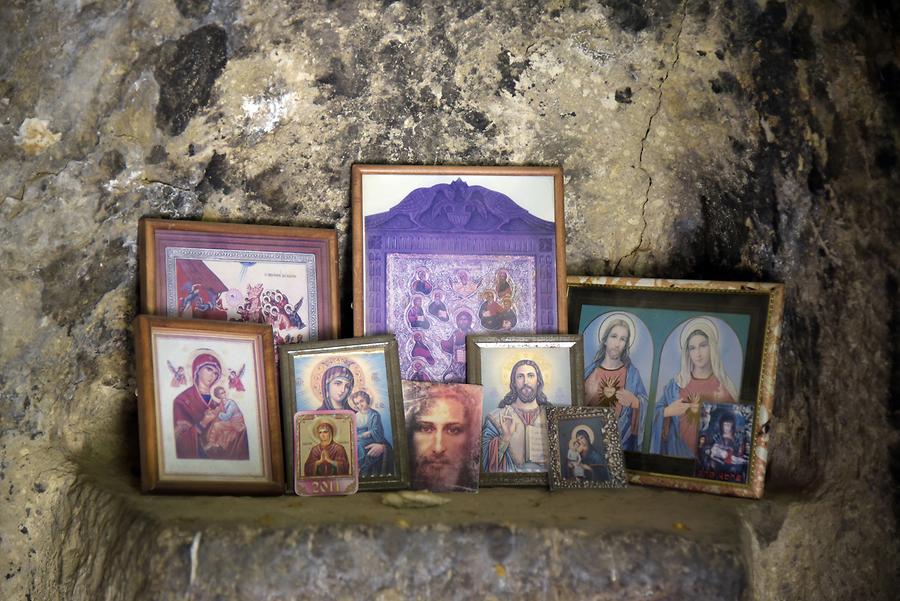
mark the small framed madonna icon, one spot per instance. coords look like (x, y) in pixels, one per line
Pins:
(584, 449)
(283, 276)
(440, 253)
(688, 367)
(208, 407)
(359, 375)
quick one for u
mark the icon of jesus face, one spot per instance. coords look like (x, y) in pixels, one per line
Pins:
(616, 341)
(526, 382)
(464, 322)
(440, 441)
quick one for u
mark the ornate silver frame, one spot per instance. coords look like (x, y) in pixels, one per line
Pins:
(610, 433)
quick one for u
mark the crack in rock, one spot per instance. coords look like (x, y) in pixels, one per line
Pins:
(659, 98)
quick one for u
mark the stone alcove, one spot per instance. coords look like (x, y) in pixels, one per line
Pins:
(700, 139)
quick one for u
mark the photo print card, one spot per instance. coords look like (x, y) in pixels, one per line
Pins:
(443, 425)
(723, 442)
(676, 360)
(441, 253)
(325, 453)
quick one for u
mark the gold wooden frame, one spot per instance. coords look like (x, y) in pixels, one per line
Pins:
(773, 295)
(152, 479)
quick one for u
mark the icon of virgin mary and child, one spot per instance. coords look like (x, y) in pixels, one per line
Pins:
(208, 424)
(376, 456)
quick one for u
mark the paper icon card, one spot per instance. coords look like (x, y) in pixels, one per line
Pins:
(443, 425)
(723, 444)
(584, 449)
(325, 453)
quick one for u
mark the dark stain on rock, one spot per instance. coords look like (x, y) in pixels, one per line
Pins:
(768, 519)
(510, 71)
(499, 542)
(112, 163)
(267, 187)
(886, 160)
(464, 10)
(630, 15)
(815, 181)
(478, 120)
(341, 81)
(800, 38)
(191, 9)
(40, 487)
(186, 71)
(836, 147)
(93, 276)
(623, 95)
(726, 83)
(215, 174)
(720, 54)
(887, 80)
(157, 155)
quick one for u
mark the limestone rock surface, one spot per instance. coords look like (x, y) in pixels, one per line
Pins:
(730, 140)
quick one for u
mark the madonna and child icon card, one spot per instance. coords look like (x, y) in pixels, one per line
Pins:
(325, 453)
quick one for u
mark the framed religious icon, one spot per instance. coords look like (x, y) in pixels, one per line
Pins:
(440, 253)
(443, 423)
(522, 377)
(208, 407)
(325, 453)
(360, 375)
(689, 369)
(283, 276)
(583, 448)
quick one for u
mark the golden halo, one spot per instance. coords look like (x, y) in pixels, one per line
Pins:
(205, 351)
(323, 420)
(318, 372)
(704, 324)
(607, 322)
(585, 429)
(513, 356)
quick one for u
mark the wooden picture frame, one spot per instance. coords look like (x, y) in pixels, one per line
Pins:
(589, 438)
(432, 243)
(241, 272)
(675, 431)
(370, 365)
(229, 443)
(495, 363)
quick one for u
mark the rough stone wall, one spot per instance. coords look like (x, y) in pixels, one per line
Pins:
(733, 140)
